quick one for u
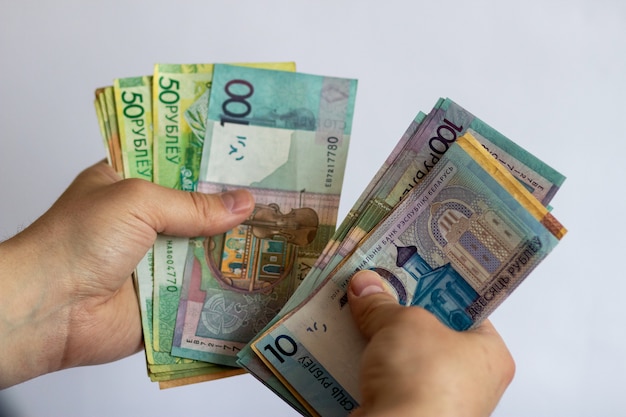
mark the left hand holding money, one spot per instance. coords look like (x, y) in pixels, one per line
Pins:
(67, 298)
(414, 365)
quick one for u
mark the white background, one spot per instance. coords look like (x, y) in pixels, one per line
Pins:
(551, 75)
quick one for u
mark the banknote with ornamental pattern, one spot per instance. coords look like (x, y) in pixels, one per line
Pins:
(283, 136)
(130, 100)
(177, 157)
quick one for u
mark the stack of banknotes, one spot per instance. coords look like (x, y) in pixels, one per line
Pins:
(211, 128)
(454, 220)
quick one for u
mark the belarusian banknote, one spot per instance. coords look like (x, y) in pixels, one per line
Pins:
(177, 156)
(284, 136)
(101, 125)
(105, 111)
(133, 103)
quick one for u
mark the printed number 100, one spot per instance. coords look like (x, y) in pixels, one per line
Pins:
(236, 107)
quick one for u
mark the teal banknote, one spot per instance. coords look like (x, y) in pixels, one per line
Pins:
(177, 157)
(457, 245)
(283, 136)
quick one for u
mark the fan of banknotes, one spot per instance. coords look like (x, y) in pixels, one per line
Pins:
(454, 220)
(282, 135)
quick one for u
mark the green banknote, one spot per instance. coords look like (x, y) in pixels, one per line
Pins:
(177, 156)
(101, 124)
(284, 136)
(114, 135)
(133, 98)
(133, 103)
(105, 110)
(125, 120)
(176, 159)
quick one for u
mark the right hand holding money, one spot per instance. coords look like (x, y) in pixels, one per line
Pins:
(414, 365)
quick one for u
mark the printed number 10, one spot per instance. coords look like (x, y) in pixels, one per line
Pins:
(287, 348)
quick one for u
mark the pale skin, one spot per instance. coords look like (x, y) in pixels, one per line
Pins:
(67, 299)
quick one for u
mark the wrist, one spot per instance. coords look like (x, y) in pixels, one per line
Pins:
(33, 318)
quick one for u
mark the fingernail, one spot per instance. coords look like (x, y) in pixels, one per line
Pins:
(236, 201)
(366, 282)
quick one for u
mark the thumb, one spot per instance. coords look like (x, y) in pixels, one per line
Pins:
(371, 303)
(164, 210)
(182, 213)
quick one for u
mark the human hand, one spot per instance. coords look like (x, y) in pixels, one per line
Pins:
(67, 298)
(413, 365)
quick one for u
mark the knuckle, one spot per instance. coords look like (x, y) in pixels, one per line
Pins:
(201, 205)
(509, 369)
(379, 312)
(132, 188)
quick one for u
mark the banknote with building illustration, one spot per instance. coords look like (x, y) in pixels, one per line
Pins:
(283, 136)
